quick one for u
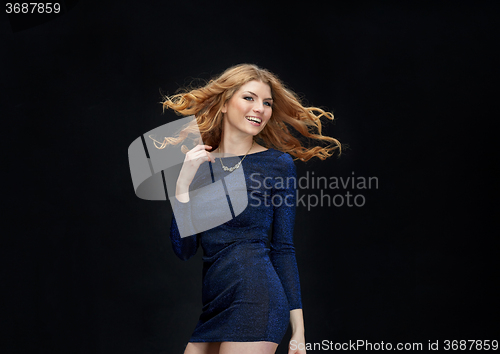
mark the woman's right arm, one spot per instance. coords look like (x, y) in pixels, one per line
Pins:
(184, 247)
(185, 243)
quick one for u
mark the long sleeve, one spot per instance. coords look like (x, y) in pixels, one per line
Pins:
(282, 251)
(184, 247)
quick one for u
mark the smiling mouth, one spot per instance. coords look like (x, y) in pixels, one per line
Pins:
(254, 119)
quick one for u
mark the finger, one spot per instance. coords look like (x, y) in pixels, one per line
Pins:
(211, 157)
(197, 154)
(204, 147)
(199, 148)
(202, 154)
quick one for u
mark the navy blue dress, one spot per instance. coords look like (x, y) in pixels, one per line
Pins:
(250, 282)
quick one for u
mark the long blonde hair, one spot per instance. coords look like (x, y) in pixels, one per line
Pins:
(206, 104)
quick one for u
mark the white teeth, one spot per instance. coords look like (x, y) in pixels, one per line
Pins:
(253, 119)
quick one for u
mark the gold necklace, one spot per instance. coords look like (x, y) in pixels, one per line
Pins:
(231, 169)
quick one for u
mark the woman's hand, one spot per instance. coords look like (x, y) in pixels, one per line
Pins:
(297, 344)
(192, 161)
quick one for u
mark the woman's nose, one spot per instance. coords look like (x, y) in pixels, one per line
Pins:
(259, 106)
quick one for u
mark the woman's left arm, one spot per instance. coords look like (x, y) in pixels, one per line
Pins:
(282, 250)
(282, 253)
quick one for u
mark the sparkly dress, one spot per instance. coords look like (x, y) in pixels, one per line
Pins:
(250, 279)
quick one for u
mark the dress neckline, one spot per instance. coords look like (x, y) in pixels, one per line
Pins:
(255, 153)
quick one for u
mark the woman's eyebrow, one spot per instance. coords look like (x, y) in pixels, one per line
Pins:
(250, 92)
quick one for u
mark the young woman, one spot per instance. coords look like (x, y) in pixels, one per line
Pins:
(251, 288)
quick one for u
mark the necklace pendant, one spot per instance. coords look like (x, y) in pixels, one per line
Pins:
(231, 169)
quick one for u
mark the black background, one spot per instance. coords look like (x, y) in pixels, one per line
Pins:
(88, 266)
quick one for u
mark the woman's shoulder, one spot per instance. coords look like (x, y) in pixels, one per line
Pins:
(280, 162)
(281, 157)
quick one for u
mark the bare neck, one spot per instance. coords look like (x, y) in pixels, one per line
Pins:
(237, 148)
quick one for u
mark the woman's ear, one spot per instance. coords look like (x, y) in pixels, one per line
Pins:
(224, 108)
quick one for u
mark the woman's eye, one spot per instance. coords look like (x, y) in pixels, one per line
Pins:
(249, 98)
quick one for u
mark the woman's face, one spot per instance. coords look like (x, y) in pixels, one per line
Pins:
(249, 110)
